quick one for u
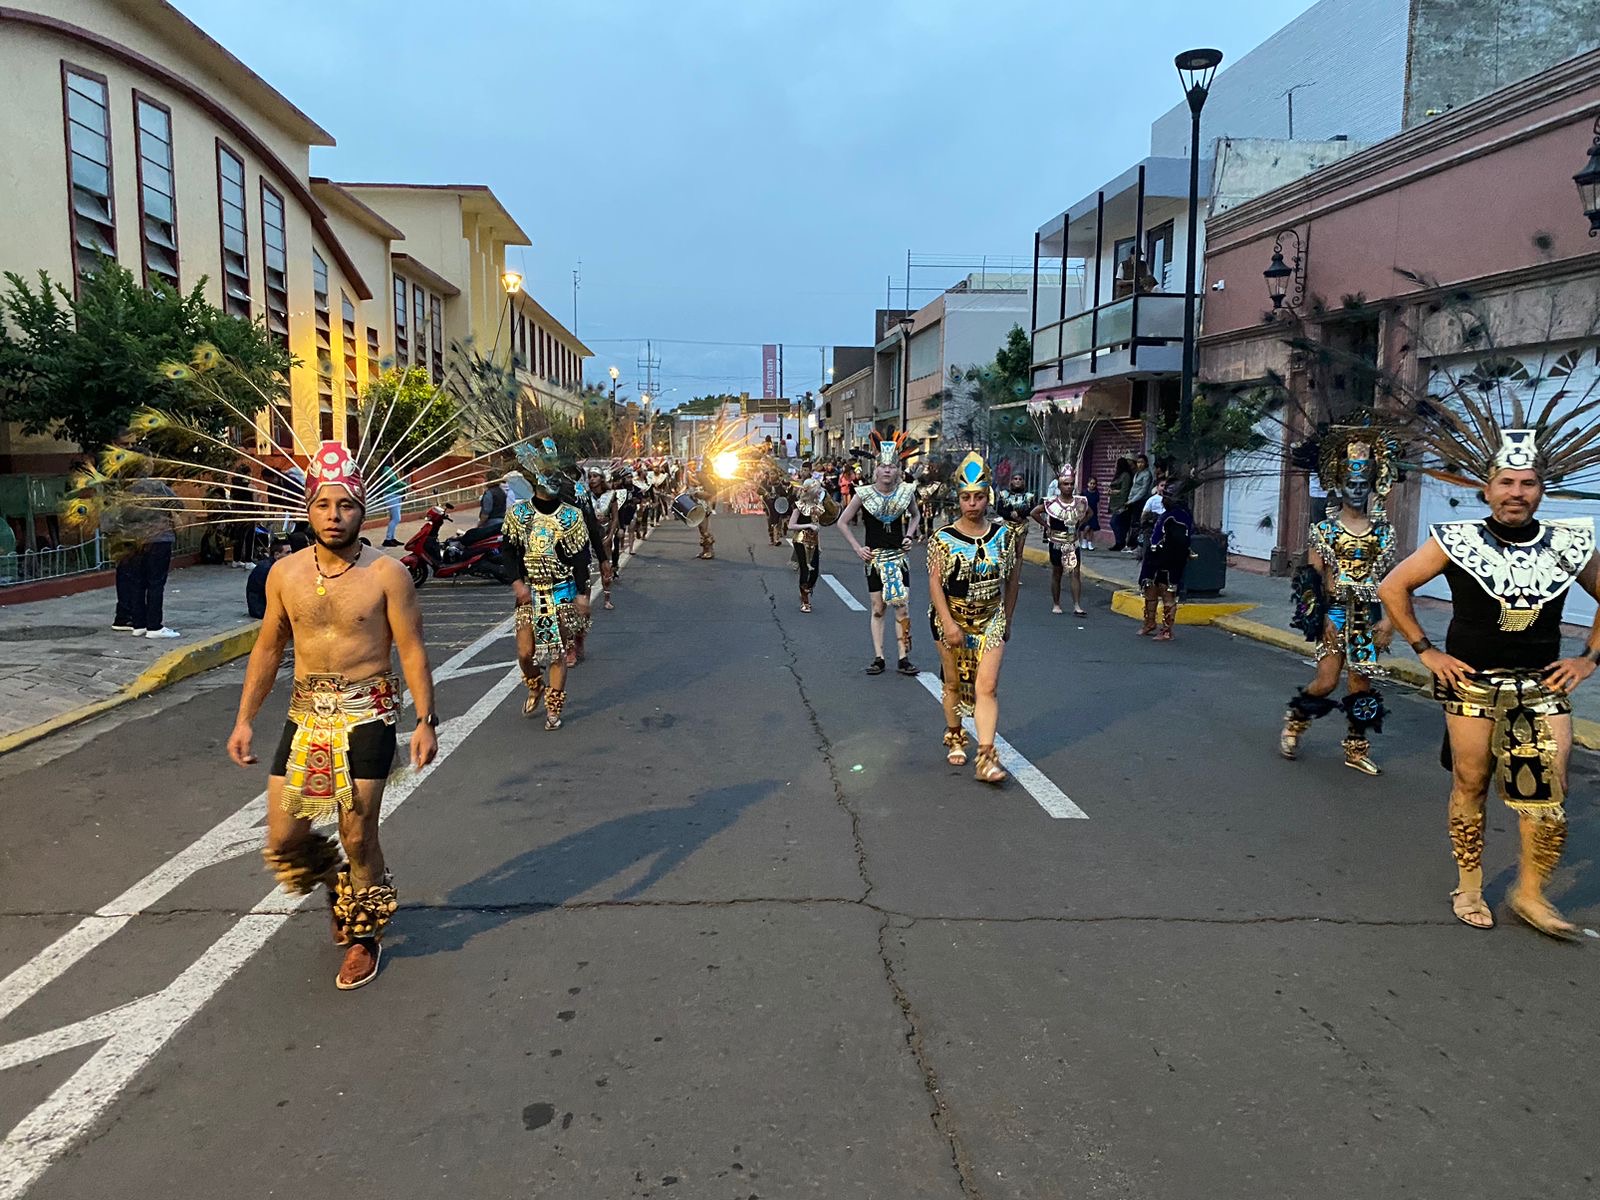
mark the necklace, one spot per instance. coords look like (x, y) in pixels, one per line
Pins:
(321, 578)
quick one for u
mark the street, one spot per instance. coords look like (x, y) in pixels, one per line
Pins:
(736, 931)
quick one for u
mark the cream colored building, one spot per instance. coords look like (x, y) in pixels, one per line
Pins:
(128, 131)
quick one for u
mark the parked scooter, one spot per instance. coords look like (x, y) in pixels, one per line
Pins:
(476, 551)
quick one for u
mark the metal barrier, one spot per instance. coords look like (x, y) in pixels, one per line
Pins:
(82, 558)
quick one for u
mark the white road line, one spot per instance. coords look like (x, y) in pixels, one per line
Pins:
(1051, 798)
(843, 593)
(144, 1026)
(235, 835)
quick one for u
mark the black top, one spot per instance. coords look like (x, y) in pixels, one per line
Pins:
(884, 537)
(1475, 636)
(1015, 506)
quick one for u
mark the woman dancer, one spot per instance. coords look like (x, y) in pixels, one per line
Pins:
(805, 523)
(973, 573)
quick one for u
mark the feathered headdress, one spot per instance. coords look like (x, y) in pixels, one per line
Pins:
(334, 466)
(1471, 427)
(541, 460)
(1063, 430)
(893, 449)
(1367, 453)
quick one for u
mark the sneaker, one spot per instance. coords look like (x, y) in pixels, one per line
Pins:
(905, 667)
(124, 628)
(875, 667)
(163, 632)
(390, 542)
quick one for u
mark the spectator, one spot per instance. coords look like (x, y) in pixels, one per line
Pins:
(1154, 509)
(493, 505)
(150, 531)
(392, 489)
(1121, 486)
(255, 587)
(1143, 487)
(1091, 493)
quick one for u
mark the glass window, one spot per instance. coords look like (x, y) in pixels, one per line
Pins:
(88, 131)
(402, 343)
(235, 240)
(275, 260)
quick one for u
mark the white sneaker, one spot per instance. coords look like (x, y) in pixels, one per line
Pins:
(125, 629)
(163, 632)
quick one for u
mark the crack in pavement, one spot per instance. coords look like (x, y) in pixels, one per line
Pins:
(943, 1121)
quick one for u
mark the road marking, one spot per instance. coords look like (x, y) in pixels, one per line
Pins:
(234, 836)
(481, 669)
(137, 1031)
(1037, 784)
(843, 593)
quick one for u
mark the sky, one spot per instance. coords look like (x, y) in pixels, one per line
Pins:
(730, 174)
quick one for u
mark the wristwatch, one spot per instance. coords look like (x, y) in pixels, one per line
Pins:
(1421, 645)
(431, 720)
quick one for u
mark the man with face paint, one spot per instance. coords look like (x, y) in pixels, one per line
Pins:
(1337, 594)
(345, 612)
(889, 504)
(547, 541)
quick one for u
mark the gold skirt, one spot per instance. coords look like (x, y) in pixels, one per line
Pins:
(1523, 743)
(324, 709)
(983, 625)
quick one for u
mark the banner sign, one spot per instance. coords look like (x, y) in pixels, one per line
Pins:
(769, 372)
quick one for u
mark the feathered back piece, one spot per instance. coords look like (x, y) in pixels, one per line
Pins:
(892, 449)
(1063, 430)
(542, 462)
(1471, 427)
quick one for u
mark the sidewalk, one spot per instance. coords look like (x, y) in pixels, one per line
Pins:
(61, 662)
(1269, 622)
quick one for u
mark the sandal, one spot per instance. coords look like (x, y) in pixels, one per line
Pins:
(1549, 922)
(352, 961)
(1468, 902)
(988, 768)
(875, 667)
(1080, 612)
(535, 696)
(955, 738)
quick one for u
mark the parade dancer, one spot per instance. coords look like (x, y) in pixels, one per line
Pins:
(604, 500)
(1014, 505)
(805, 523)
(345, 612)
(974, 569)
(888, 504)
(1337, 593)
(1062, 518)
(1165, 560)
(546, 540)
(1505, 688)
(576, 492)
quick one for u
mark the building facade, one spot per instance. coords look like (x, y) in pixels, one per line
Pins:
(1473, 211)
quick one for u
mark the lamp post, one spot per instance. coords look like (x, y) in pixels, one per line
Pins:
(614, 374)
(511, 284)
(1196, 69)
(1588, 181)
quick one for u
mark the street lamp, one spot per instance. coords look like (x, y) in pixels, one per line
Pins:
(1588, 181)
(1280, 274)
(512, 282)
(1196, 69)
(614, 373)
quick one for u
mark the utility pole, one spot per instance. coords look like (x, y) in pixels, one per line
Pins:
(577, 275)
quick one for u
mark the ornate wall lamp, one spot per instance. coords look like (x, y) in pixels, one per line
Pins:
(1286, 280)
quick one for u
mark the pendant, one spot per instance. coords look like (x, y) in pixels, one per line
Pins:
(321, 591)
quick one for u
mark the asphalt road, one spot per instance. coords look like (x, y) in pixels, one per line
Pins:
(736, 931)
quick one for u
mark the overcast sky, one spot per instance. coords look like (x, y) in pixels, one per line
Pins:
(738, 172)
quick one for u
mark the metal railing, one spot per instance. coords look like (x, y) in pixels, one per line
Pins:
(1147, 317)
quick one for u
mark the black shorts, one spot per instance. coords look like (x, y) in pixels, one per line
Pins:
(875, 580)
(371, 750)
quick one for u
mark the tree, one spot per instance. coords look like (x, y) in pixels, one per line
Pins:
(979, 392)
(705, 406)
(78, 367)
(405, 421)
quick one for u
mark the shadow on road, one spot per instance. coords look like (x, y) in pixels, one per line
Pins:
(548, 876)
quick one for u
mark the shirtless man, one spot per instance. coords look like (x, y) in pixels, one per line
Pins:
(345, 612)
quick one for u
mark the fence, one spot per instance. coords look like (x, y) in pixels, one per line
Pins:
(82, 558)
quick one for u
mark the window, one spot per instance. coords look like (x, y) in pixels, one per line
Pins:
(437, 339)
(374, 358)
(324, 319)
(91, 207)
(352, 426)
(347, 312)
(275, 258)
(158, 197)
(283, 439)
(235, 239)
(402, 343)
(419, 327)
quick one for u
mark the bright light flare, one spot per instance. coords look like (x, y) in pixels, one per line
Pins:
(726, 464)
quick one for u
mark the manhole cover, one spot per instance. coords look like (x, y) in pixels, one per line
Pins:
(45, 633)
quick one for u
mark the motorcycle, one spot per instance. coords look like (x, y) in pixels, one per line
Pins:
(476, 552)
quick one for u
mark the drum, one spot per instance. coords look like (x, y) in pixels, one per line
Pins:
(830, 511)
(688, 509)
(780, 505)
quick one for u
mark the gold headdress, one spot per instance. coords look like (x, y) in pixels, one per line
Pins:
(1367, 454)
(893, 449)
(973, 475)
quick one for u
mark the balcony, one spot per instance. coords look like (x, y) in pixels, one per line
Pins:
(1137, 335)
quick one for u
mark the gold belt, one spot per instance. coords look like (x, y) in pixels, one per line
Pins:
(1523, 744)
(325, 708)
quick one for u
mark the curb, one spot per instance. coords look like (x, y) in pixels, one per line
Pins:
(170, 668)
(1127, 602)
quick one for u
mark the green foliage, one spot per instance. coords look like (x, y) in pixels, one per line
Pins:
(705, 406)
(78, 367)
(1005, 381)
(406, 420)
(1222, 423)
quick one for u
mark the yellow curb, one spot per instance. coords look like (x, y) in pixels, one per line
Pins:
(1585, 732)
(167, 670)
(1129, 603)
